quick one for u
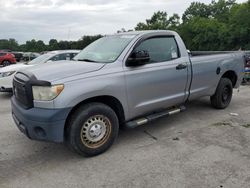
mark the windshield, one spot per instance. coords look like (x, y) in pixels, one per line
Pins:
(104, 50)
(40, 59)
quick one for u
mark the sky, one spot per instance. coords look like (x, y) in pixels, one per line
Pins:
(71, 19)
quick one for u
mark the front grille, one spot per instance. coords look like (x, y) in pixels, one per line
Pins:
(23, 90)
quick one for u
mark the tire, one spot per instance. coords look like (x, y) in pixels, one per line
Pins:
(5, 63)
(223, 95)
(92, 129)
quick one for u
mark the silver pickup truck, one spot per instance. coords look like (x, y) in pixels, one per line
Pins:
(121, 80)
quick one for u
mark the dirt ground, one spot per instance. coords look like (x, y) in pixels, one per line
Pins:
(201, 147)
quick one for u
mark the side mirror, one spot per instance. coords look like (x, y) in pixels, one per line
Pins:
(49, 61)
(138, 58)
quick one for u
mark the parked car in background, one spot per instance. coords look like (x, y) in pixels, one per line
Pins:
(7, 73)
(247, 68)
(28, 56)
(126, 79)
(5, 50)
(18, 56)
(6, 59)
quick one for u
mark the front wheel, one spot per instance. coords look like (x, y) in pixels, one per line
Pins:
(223, 95)
(92, 129)
(6, 63)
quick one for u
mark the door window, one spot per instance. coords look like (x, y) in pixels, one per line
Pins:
(160, 49)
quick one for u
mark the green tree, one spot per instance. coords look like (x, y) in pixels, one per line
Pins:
(31, 45)
(35, 46)
(239, 25)
(196, 9)
(53, 44)
(40, 46)
(174, 22)
(64, 45)
(221, 9)
(10, 44)
(204, 34)
(159, 20)
(220, 25)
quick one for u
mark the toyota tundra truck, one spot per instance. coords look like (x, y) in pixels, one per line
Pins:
(121, 80)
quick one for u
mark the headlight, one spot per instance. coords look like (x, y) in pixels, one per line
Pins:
(5, 74)
(46, 93)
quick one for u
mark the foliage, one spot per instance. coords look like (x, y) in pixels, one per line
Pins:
(240, 26)
(220, 25)
(196, 9)
(8, 44)
(223, 25)
(158, 21)
(204, 34)
(39, 46)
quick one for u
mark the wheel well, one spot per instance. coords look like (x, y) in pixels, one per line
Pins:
(4, 61)
(231, 76)
(110, 101)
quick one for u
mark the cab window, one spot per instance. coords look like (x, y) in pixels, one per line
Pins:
(160, 49)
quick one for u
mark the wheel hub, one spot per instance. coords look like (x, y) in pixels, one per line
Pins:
(95, 130)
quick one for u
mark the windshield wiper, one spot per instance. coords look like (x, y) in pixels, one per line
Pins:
(87, 60)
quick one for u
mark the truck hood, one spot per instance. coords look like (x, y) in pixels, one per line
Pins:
(16, 67)
(63, 69)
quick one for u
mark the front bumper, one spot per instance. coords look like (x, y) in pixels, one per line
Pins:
(40, 124)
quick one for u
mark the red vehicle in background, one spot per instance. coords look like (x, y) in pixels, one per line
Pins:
(6, 59)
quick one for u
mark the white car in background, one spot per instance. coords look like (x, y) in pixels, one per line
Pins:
(7, 73)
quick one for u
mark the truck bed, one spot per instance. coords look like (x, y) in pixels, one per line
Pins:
(207, 68)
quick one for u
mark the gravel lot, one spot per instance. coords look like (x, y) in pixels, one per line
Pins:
(201, 147)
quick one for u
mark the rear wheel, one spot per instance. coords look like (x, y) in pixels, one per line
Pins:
(6, 63)
(92, 129)
(223, 95)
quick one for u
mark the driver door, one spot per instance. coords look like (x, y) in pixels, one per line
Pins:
(158, 84)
